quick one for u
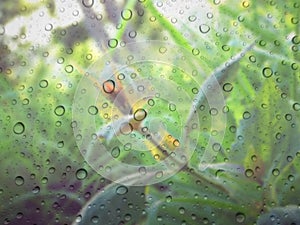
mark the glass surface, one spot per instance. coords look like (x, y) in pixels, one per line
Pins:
(149, 112)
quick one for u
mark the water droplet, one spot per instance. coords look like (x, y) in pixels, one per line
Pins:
(245, 4)
(276, 172)
(295, 40)
(142, 170)
(36, 190)
(225, 48)
(140, 114)
(227, 87)
(296, 106)
(19, 128)
(213, 111)
(78, 218)
(240, 217)
(127, 217)
(196, 51)
(181, 210)
(19, 215)
(204, 28)
(151, 102)
(121, 76)
(192, 18)
(126, 128)
(59, 110)
(267, 72)
(176, 143)
(132, 34)
(93, 110)
(49, 27)
(112, 43)
(88, 3)
(81, 174)
(159, 174)
(216, 147)
(249, 173)
(126, 14)
(69, 68)
(172, 107)
(169, 198)
(121, 190)
(108, 86)
(246, 115)
(291, 178)
(95, 219)
(43, 83)
(19, 180)
(162, 50)
(115, 152)
(60, 144)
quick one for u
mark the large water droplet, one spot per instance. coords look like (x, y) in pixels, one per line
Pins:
(296, 106)
(59, 110)
(204, 28)
(19, 180)
(126, 14)
(93, 110)
(81, 174)
(19, 128)
(121, 190)
(112, 43)
(140, 114)
(227, 87)
(267, 72)
(108, 86)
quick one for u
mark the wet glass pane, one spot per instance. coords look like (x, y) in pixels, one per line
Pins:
(149, 112)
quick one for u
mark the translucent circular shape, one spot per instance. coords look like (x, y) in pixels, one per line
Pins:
(148, 129)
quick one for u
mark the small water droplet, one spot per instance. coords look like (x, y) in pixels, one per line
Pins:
(81, 174)
(267, 72)
(19, 180)
(115, 152)
(249, 173)
(59, 110)
(69, 68)
(112, 43)
(43, 83)
(126, 14)
(159, 174)
(296, 106)
(49, 27)
(95, 219)
(151, 102)
(36, 190)
(19, 128)
(204, 28)
(142, 170)
(225, 48)
(240, 217)
(276, 172)
(140, 114)
(88, 3)
(172, 107)
(121, 190)
(93, 110)
(246, 115)
(227, 87)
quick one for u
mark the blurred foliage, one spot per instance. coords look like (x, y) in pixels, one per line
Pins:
(46, 48)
